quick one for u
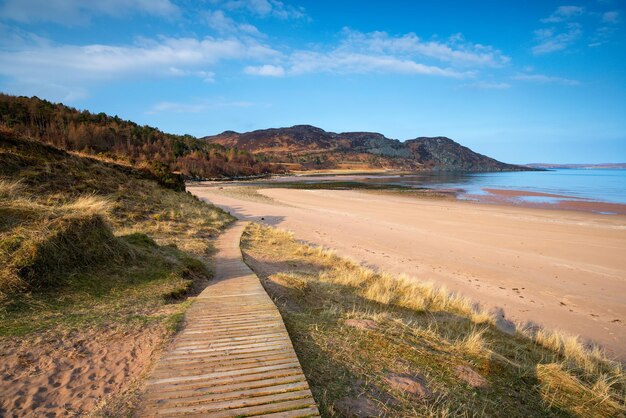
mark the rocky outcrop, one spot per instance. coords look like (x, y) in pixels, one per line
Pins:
(445, 154)
(312, 147)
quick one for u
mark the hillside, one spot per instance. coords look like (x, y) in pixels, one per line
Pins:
(232, 154)
(125, 141)
(308, 147)
(97, 261)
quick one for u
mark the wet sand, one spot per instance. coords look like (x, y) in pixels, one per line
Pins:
(561, 269)
(546, 201)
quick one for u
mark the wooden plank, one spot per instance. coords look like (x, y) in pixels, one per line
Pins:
(202, 343)
(208, 376)
(253, 358)
(234, 356)
(180, 386)
(217, 388)
(237, 403)
(228, 357)
(199, 398)
(233, 352)
(298, 413)
(278, 407)
(230, 347)
(223, 367)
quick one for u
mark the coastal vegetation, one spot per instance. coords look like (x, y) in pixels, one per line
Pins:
(125, 141)
(231, 154)
(97, 261)
(393, 346)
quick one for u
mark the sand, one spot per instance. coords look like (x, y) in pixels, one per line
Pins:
(78, 373)
(560, 269)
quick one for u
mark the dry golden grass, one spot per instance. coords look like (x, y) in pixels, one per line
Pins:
(89, 205)
(89, 246)
(421, 329)
(9, 189)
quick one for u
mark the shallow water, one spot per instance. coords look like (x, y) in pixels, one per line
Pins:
(606, 185)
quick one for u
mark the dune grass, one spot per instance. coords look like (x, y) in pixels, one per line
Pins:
(421, 330)
(73, 228)
(89, 246)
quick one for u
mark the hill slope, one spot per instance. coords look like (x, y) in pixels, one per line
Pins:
(306, 147)
(96, 261)
(232, 154)
(100, 134)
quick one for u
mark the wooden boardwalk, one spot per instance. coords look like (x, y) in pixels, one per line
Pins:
(234, 357)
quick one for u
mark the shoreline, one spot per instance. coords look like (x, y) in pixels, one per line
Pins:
(549, 201)
(491, 195)
(561, 269)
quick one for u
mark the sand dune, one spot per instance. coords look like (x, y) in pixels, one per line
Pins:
(561, 269)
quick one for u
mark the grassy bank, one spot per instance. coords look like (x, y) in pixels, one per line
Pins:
(91, 252)
(390, 346)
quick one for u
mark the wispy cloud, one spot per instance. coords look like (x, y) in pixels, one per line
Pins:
(378, 52)
(220, 22)
(265, 70)
(489, 85)
(553, 39)
(195, 107)
(611, 17)
(563, 13)
(545, 79)
(566, 28)
(604, 33)
(265, 8)
(454, 50)
(162, 56)
(80, 12)
(343, 62)
(79, 66)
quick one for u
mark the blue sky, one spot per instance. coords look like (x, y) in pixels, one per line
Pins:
(536, 81)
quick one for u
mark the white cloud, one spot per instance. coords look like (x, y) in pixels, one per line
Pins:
(379, 52)
(266, 8)
(545, 79)
(566, 28)
(146, 57)
(77, 67)
(266, 70)
(340, 62)
(551, 40)
(455, 51)
(73, 12)
(563, 13)
(220, 22)
(195, 107)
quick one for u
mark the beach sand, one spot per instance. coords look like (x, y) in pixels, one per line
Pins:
(560, 269)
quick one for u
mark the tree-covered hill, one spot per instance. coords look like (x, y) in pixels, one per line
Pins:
(110, 136)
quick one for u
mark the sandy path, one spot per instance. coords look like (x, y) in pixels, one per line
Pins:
(561, 269)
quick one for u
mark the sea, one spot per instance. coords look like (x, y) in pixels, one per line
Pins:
(603, 185)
